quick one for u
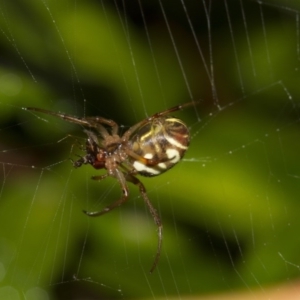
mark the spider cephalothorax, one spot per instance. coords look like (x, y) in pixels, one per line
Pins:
(149, 148)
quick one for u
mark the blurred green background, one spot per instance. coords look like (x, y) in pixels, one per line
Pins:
(230, 210)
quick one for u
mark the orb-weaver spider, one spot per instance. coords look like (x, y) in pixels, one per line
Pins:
(149, 148)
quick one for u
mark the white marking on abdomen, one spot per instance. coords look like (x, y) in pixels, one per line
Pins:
(173, 155)
(174, 142)
(148, 155)
(162, 165)
(140, 167)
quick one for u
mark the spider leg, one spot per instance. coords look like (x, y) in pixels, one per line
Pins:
(120, 177)
(92, 122)
(99, 178)
(154, 214)
(99, 120)
(89, 121)
(132, 129)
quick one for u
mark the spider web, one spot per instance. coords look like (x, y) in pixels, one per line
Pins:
(229, 209)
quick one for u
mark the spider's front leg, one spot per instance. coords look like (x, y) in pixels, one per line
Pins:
(120, 177)
(92, 122)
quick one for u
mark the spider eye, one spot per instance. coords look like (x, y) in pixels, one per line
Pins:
(162, 142)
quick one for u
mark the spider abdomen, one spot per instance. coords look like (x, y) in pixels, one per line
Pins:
(162, 143)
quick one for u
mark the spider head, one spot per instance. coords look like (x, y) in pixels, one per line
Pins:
(95, 160)
(99, 160)
(95, 155)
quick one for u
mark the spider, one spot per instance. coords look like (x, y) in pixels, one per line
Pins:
(148, 148)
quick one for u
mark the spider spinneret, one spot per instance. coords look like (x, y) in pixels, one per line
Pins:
(148, 148)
